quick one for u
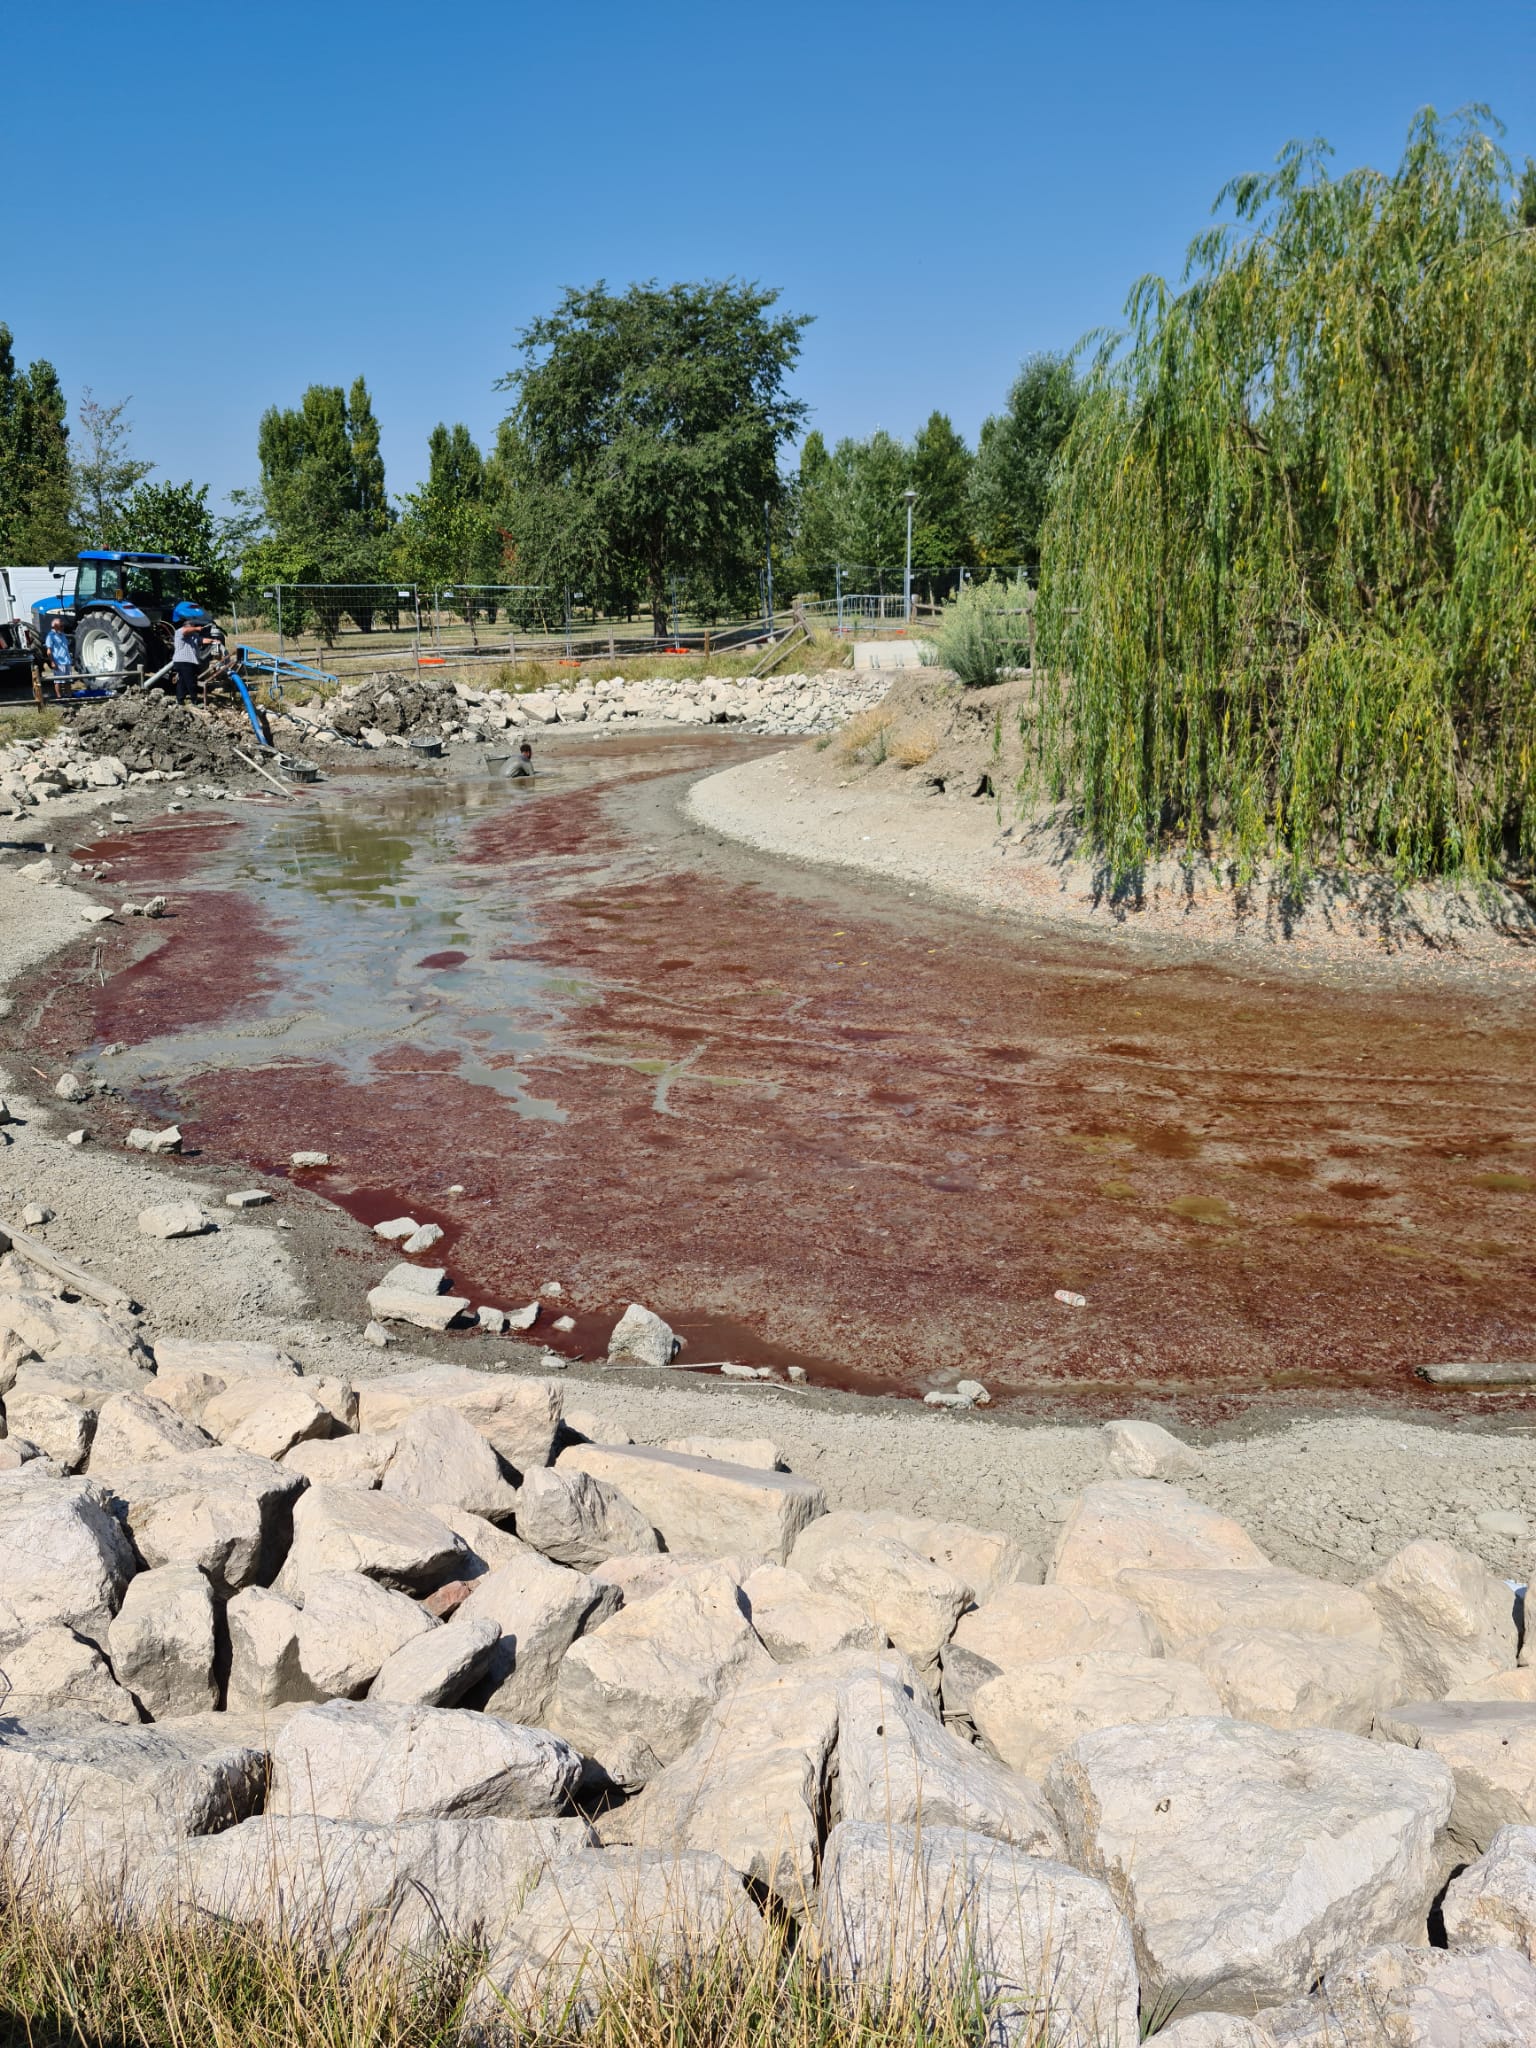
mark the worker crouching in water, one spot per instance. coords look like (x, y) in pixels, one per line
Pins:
(523, 764)
(191, 646)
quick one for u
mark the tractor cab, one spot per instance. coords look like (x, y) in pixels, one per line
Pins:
(120, 609)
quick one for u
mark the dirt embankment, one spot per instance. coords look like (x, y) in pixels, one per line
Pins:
(925, 790)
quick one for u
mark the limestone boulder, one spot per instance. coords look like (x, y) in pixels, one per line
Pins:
(590, 1920)
(322, 1884)
(1027, 1717)
(636, 1578)
(760, 1451)
(1492, 1903)
(633, 1694)
(1183, 1606)
(1519, 1684)
(488, 1548)
(1041, 1949)
(1145, 1450)
(1447, 1619)
(983, 1560)
(161, 1641)
(704, 1504)
(387, 1539)
(1020, 1626)
(578, 1521)
(911, 1601)
(54, 1671)
(1407, 1996)
(267, 1414)
(226, 1358)
(226, 1512)
(640, 1337)
(60, 1426)
(264, 1666)
(1249, 1860)
(898, 1765)
(349, 1627)
(1290, 1680)
(540, 1608)
(440, 1457)
(140, 1429)
(439, 1668)
(81, 1800)
(1490, 1748)
(342, 1460)
(38, 1325)
(520, 1418)
(373, 1761)
(1144, 1524)
(65, 1558)
(796, 1620)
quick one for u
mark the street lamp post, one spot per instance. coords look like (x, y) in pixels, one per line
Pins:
(909, 498)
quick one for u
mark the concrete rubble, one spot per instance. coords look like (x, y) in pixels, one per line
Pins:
(528, 1682)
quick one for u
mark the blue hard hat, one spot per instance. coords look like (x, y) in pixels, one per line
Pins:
(185, 611)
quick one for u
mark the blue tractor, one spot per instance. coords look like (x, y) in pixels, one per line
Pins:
(123, 611)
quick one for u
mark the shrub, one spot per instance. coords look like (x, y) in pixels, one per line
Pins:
(984, 630)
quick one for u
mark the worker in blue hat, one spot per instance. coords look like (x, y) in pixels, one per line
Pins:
(191, 623)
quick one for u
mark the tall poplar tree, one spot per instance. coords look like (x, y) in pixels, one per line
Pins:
(36, 487)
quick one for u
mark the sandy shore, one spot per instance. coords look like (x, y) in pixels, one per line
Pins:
(1331, 1497)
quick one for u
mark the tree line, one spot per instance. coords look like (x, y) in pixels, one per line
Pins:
(646, 461)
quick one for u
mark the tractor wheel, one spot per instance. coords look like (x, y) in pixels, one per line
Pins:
(105, 646)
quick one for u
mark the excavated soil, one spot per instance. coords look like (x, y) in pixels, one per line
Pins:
(815, 1120)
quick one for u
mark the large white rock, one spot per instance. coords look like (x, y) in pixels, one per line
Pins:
(593, 1919)
(634, 1694)
(983, 1560)
(349, 1627)
(81, 1800)
(388, 1304)
(704, 1504)
(577, 1520)
(161, 1641)
(1448, 1620)
(54, 1671)
(760, 1451)
(1414, 1997)
(1026, 1718)
(225, 1511)
(1297, 1681)
(913, 1602)
(324, 1884)
(64, 1557)
(1126, 1524)
(489, 1547)
(37, 1325)
(519, 1417)
(1490, 1746)
(540, 1608)
(342, 1460)
(897, 1764)
(1249, 1861)
(267, 1414)
(226, 1358)
(640, 1337)
(140, 1429)
(440, 1457)
(343, 1529)
(1183, 1606)
(372, 1761)
(1040, 1949)
(794, 1619)
(1492, 1904)
(1145, 1450)
(1023, 1625)
(437, 1669)
(62, 1427)
(174, 1219)
(751, 1787)
(264, 1667)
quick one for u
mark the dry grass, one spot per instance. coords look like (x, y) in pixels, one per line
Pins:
(912, 747)
(26, 722)
(866, 736)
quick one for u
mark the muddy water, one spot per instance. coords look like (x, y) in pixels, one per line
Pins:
(820, 1123)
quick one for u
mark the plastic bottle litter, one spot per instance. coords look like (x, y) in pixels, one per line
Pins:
(1069, 1299)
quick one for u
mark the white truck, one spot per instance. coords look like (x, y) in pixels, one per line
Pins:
(21, 655)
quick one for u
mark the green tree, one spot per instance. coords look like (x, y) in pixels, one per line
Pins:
(1289, 575)
(941, 472)
(35, 482)
(1011, 477)
(647, 431)
(322, 493)
(104, 470)
(174, 519)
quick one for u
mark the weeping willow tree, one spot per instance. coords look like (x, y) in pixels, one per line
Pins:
(1288, 580)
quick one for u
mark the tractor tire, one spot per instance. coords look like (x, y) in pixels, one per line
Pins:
(106, 646)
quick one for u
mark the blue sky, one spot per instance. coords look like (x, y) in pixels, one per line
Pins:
(334, 188)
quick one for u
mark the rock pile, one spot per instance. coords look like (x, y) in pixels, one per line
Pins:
(148, 730)
(390, 710)
(417, 1653)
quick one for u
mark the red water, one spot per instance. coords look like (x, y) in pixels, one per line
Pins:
(877, 1139)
